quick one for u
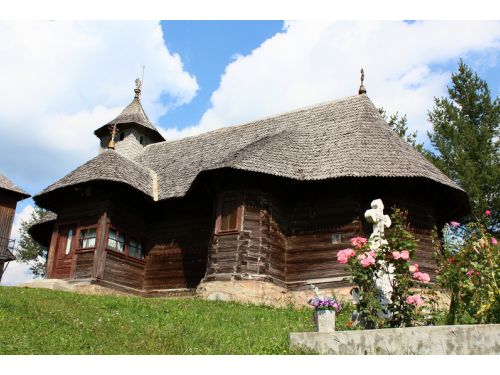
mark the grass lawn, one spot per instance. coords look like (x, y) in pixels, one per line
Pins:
(39, 321)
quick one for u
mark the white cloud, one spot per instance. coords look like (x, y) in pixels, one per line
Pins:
(20, 216)
(16, 273)
(63, 80)
(311, 62)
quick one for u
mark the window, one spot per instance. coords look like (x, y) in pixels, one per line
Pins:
(116, 240)
(336, 238)
(87, 238)
(122, 136)
(135, 249)
(229, 215)
(69, 240)
(141, 140)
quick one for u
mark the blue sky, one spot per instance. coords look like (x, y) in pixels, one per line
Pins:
(206, 48)
(65, 79)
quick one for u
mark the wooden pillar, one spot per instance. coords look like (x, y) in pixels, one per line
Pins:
(52, 251)
(100, 249)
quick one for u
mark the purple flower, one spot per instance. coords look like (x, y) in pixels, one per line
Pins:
(325, 303)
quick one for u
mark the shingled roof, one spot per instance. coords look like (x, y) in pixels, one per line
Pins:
(6, 184)
(133, 114)
(344, 138)
(107, 166)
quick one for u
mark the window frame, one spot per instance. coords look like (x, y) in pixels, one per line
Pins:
(140, 242)
(230, 196)
(79, 233)
(126, 245)
(118, 233)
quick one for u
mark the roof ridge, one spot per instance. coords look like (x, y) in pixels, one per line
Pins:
(249, 123)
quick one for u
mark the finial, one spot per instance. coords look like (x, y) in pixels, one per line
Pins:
(362, 89)
(113, 130)
(137, 90)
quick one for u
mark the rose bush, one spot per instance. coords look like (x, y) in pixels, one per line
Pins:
(367, 265)
(469, 268)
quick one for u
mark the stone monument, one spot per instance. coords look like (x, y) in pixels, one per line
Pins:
(385, 277)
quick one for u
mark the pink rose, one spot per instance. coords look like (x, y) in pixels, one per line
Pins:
(405, 255)
(372, 253)
(396, 254)
(344, 255)
(487, 212)
(455, 224)
(494, 240)
(415, 299)
(368, 261)
(470, 272)
(422, 276)
(358, 241)
(341, 259)
(414, 268)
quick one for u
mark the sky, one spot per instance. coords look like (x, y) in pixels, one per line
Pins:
(61, 80)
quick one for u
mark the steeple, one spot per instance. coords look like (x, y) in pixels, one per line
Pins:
(135, 129)
(362, 89)
(137, 90)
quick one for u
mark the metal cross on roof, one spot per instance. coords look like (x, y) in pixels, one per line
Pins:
(362, 89)
(137, 90)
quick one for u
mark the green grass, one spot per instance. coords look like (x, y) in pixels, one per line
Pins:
(38, 321)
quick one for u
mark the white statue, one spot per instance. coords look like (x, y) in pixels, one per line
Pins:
(380, 221)
(385, 278)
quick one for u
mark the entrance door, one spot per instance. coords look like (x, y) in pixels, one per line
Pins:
(65, 250)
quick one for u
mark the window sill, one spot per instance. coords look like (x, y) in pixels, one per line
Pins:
(234, 231)
(125, 256)
(85, 250)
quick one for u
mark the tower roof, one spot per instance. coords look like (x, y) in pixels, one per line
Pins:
(133, 114)
(6, 184)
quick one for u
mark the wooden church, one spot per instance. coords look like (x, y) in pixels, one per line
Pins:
(257, 208)
(10, 194)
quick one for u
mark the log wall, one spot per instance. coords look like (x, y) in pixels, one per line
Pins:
(291, 243)
(84, 264)
(285, 235)
(122, 270)
(7, 211)
(179, 236)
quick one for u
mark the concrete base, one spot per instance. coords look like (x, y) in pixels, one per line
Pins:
(460, 339)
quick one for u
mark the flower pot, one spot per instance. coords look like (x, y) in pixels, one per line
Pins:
(324, 320)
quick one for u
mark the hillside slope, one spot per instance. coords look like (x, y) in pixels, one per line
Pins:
(38, 321)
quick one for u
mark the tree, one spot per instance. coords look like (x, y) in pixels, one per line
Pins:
(400, 126)
(28, 250)
(466, 139)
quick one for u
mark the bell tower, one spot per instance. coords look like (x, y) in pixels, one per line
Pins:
(131, 131)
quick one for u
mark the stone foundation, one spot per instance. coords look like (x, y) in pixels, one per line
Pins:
(246, 291)
(263, 292)
(83, 287)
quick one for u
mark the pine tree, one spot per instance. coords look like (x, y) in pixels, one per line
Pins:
(466, 139)
(28, 250)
